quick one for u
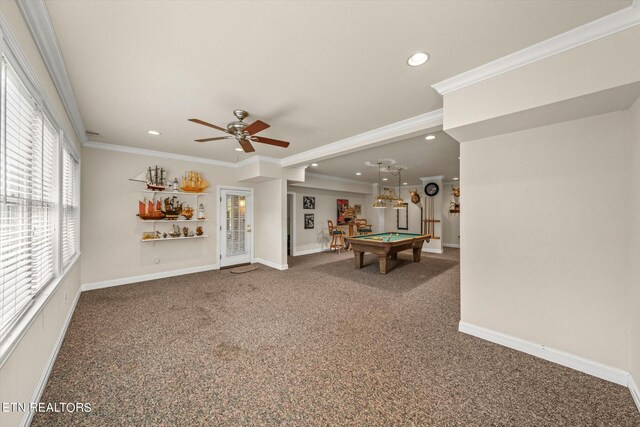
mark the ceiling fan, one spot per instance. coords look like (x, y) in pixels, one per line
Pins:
(244, 133)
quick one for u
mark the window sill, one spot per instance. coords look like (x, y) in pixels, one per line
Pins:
(11, 340)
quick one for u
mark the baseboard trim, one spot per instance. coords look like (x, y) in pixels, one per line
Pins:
(145, 277)
(451, 245)
(310, 251)
(578, 363)
(270, 264)
(635, 391)
(42, 382)
(433, 250)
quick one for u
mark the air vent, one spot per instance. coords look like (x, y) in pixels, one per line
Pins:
(92, 133)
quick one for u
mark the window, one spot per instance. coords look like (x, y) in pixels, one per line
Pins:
(70, 205)
(28, 196)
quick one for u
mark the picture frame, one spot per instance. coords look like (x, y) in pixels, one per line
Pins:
(342, 205)
(309, 221)
(402, 217)
(357, 209)
(308, 202)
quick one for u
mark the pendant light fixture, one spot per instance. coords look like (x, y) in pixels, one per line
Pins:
(399, 202)
(387, 194)
(378, 204)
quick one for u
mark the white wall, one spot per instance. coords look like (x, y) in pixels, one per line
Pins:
(634, 284)
(317, 239)
(545, 236)
(27, 365)
(271, 222)
(111, 230)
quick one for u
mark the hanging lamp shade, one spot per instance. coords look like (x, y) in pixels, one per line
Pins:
(399, 204)
(379, 204)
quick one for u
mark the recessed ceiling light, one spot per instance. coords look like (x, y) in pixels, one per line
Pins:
(404, 183)
(384, 179)
(358, 173)
(455, 179)
(430, 137)
(418, 59)
(239, 149)
(153, 132)
(315, 165)
(458, 157)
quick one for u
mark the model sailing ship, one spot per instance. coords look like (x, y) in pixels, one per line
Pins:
(156, 179)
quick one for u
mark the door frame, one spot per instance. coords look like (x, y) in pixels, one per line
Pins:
(293, 222)
(251, 217)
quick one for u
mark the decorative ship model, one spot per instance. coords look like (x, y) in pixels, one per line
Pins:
(156, 179)
(149, 210)
(193, 182)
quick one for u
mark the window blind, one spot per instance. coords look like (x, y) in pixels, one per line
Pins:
(27, 194)
(70, 205)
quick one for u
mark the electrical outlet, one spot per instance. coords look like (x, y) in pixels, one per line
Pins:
(156, 260)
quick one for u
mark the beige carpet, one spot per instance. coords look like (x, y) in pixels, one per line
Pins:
(319, 344)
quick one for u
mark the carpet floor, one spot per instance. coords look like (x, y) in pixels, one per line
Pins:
(319, 344)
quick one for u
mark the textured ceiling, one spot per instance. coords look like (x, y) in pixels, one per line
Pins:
(317, 71)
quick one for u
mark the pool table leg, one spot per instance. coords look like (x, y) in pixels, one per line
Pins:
(384, 264)
(416, 254)
(359, 258)
(394, 256)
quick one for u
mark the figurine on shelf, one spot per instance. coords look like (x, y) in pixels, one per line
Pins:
(155, 178)
(176, 184)
(172, 209)
(185, 231)
(193, 182)
(147, 210)
(201, 211)
(176, 231)
(199, 231)
(164, 235)
(187, 212)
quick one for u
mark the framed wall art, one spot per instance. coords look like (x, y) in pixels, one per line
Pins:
(308, 202)
(309, 221)
(343, 204)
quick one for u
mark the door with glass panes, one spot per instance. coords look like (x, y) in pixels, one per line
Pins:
(235, 227)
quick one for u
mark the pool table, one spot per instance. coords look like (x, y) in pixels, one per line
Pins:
(386, 246)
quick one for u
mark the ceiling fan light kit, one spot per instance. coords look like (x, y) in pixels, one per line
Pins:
(243, 132)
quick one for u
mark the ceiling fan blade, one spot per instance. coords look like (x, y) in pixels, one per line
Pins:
(246, 146)
(256, 127)
(207, 124)
(213, 139)
(276, 142)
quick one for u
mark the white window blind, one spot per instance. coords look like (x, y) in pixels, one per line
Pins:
(27, 193)
(70, 205)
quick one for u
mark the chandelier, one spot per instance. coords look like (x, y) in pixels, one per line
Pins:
(389, 194)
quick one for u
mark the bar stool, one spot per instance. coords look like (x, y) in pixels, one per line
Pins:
(337, 236)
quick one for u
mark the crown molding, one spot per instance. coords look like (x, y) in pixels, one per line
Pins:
(154, 153)
(174, 156)
(379, 136)
(591, 31)
(37, 18)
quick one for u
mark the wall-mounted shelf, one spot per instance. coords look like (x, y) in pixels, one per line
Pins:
(167, 221)
(162, 239)
(176, 193)
(159, 195)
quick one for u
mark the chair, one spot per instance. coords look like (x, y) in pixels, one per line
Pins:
(362, 227)
(337, 236)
